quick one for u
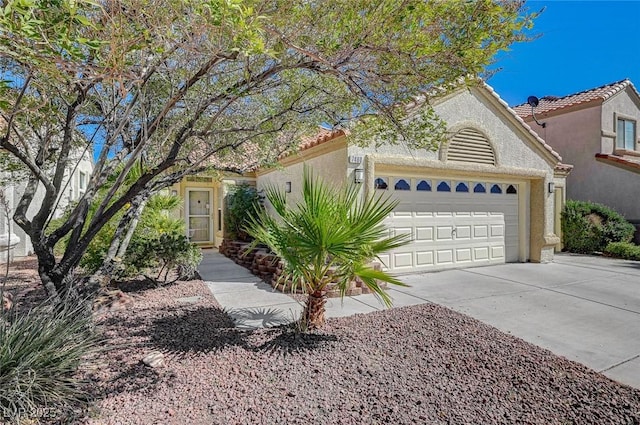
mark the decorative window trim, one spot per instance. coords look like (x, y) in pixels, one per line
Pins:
(496, 189)
(406, 186)
(462, 187)
(424, 189)
(443, 186)
(480, 185)
(634, 141)
(381, 183)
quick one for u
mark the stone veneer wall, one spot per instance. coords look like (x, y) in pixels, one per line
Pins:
(268, 267)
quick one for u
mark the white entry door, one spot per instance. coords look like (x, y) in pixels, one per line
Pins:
(199, 218)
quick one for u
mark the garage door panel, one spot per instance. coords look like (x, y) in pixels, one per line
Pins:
(444, 233)
(497, 252)
(424, 258)
(452, 229)
(463, 255)
(463, 232)
(424, 234)
(480, 231)
(403, 260)
(403, 231)
(497, 230)
(480, 254)
(385, 259)
(444, 256)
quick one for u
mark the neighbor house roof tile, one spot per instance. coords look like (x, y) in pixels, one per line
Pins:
(553, 103)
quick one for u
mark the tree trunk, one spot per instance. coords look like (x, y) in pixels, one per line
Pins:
(313, 314)
(119, 244)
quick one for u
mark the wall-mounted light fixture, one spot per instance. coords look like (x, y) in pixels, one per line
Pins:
(552, 187)
(287, 187)
(358, 175)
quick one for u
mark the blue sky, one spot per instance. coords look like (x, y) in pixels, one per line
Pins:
(581, 45)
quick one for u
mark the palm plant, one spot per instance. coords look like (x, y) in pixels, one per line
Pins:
(330, 235)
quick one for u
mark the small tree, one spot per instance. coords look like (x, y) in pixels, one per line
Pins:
(329, 236)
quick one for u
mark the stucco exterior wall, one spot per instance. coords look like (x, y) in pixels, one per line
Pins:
(329, 161)
(624, 105)
(519, 158)
(71, 192)
(578, 135)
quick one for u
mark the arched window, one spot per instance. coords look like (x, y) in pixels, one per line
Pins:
(444, 187)
(462, 187)
(424, 186)
(479, 188)
(402, 185)
(496, 188)
(511, 190)
(380, 183)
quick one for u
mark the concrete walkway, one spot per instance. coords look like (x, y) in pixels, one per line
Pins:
(584, 308)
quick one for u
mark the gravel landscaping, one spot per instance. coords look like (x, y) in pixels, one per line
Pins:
(423, 364)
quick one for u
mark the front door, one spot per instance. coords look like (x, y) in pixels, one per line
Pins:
(199, 218)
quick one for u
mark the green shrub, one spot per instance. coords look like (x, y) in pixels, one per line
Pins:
(40, 352)
(161, 255)
(588, 227)
(625, 250)
(157, 247)
(241, 202)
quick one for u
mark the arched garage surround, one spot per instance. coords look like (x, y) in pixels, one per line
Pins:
(487, 215)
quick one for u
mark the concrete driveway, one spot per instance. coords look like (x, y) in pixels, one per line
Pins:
(584, 308)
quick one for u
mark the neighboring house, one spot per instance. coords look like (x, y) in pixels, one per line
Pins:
(74, 183)
(491, 194)
(597, 131)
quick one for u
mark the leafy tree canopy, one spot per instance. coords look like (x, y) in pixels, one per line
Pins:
(184, 86)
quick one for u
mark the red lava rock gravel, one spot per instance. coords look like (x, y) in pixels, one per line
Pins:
(414, 365)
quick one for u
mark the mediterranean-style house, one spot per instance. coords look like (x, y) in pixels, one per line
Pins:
(491, 194)
(597, 131)
(75, 181)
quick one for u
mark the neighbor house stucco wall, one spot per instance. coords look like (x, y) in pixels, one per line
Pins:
(70, 192)
(578, 135)
(623, 105)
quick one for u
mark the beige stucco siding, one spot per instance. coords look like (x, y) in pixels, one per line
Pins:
(578, 135)
(329, 161)
(623, 105)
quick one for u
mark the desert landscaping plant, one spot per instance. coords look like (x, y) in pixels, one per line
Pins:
(40, 352)
(589, 227)
(329, 235)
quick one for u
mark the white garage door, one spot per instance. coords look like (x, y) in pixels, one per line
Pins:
(452, 223)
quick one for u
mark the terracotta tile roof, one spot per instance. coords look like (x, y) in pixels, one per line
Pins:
(553, 103)
(626, 163)
(526, 126)
(565, 168)
(323, 136)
